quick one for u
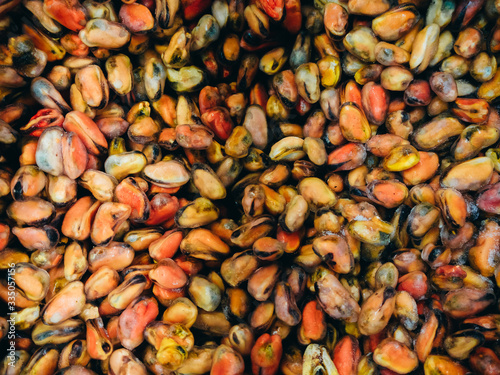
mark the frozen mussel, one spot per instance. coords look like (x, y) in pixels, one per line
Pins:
(296, 187)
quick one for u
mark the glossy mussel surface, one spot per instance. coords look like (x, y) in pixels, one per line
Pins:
(236, 187)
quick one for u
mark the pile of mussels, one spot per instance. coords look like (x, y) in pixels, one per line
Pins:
(250, 187)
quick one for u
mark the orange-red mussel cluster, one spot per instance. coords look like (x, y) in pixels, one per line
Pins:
(236, 187)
